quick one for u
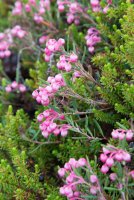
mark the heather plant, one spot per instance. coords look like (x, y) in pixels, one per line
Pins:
(69, 66)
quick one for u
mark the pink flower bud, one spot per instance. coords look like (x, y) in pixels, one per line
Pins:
(7, 53)
(14, 84)
(77, 21)
(55, 87)
(76, 194)
(129, 135)
(53, 126)
(91, 49)
(94, 2)
(93, 190)
(61, 8)
(21, 34)
(8, 89)
(118, 156)
(62, 190)
(72, 162)
(68, 190)
(82, 162)
(50, 79)
(126, 157)
(42, 127)
(113, 176)
(56, 131)
(73, 58)
(46, 113)
(68, 67)
(121, 136)
(64, 133)
(42, 39)
(40, 117)
(49, 89)
(22, 88)
(45, 134)
(115, 134)
(109, 162)
(103, 157)
(61, 41)
(58, 77)
(104, 169)
(35, 94)
(67, 166)
(47, 58)
(27, 8)
(93, 179)
(61, 172)
(70, 178)
(38, 99)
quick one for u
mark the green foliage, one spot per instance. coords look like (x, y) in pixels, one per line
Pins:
(16, 180)
(116, 62)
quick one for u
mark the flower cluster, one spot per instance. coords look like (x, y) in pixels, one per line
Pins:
(74, 9)
(17, 31)
(6, 40)
(53, 46)
(37, 9)
(65, 62)
(49, 126)
(15, 86)
(4, 45)
(121, 134)
(72, 180)
(111, 155)
(96, 7)
(17, 10)
(43, 94)
(92, 38)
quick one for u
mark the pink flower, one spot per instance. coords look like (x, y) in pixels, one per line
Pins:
(115, 134)
(14, 84)
(92, 38)
(104, 169)
(45, 134)
(113, 176)
(103, 157)
(40, 117)
(64, 130)
(42, 39)
(8, 88)
(129, 135)
(126, 157)
(22, 88)
(109, 162)
(93, 190)
(73, 58)
(61, 172)
(27, 8)
(118, 156)
(72, 162)
(81, 162)
(67, 166)
(93, 179)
